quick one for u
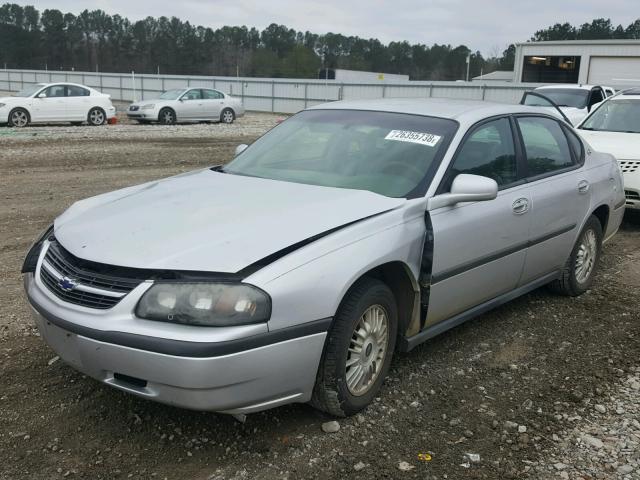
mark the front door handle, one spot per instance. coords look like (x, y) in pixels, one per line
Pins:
(583, 186)
(520, 206)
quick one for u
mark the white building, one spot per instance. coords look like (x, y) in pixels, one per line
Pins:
(600, 62)
(495, 78)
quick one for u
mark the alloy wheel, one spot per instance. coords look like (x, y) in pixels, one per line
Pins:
(367, 350)
(19, 118)
(227, 116)
(586, 256)
(96, 117)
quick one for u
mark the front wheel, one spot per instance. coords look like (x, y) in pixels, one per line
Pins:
(167, 116)
(579, 271)
(96, 117)
(227, 116)
(19, 118)
(358, 350)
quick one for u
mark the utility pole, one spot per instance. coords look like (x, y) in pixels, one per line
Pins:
(468, 65)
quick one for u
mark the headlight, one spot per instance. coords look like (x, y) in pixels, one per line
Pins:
(149, 106)
(31, 260)
(206, 304)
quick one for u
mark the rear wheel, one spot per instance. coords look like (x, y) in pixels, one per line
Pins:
(579, 271)
(167, 116)
(19, 117)
(358, 350)
(227, 116)
(96, 117)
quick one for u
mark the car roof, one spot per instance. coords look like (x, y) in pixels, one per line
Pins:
(568, 86)
(454, 109)
(64, 83)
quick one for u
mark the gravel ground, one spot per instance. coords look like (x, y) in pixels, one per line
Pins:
(544, 387)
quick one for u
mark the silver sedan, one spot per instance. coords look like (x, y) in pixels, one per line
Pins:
(187, 105)
(349, 231)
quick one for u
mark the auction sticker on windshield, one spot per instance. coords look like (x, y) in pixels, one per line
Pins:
(422, 138)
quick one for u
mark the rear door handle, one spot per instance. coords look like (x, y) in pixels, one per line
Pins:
(520, 206)
(583, 186)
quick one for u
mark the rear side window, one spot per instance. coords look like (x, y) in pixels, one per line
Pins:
(73, 91)
(212, 95)
(488, 151)
(546, 146)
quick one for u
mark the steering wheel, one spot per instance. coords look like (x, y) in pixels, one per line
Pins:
(394, 167)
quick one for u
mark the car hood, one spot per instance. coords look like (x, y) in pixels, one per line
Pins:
(12, 100)
(208, 221)
(621, 145)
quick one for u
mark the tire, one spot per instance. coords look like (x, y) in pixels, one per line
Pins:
(335, 390)
(96, 117)
(167, 116)
(227, 116)
(19, 118)
(575, 280)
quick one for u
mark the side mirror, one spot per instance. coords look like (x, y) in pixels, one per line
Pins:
(466, 188)
(41, 95)
(241, 148)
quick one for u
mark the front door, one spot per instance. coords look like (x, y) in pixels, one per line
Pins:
(50, 105)
(190, 105)
(479, 248)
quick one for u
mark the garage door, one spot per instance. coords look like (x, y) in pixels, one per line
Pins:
(615, 71)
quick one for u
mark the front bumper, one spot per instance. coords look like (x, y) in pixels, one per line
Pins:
(261, 377)
(143, 115)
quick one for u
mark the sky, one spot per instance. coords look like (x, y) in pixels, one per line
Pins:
(485, 25)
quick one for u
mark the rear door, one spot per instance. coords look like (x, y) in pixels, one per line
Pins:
(78, 103)
(50, 105)
(213, 102)
(479, 248)
(559, 192)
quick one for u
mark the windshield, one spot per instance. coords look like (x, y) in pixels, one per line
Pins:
(563, 97)
(618, 115)
(171, 94)
(30, 90)
(392, 154)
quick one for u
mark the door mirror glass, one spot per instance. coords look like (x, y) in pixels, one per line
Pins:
(241, 148)
(41, 95)
(466, 188)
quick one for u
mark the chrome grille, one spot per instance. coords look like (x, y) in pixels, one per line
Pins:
(71, 280)
(631, 195)
(629, 166)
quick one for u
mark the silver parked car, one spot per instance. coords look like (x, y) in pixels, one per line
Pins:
(349, 231)
(187, 105)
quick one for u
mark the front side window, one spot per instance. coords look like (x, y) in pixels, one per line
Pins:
(74, 91)
(488, 151)
(546, 146)
(616, 115)
(212, 95)
(392, 154)
(54, 91)
(192, 95)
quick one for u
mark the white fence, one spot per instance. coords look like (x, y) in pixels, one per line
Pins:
(264, 94)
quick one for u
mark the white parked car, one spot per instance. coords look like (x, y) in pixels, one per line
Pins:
(575, 101)
(614, 128)
(56, 102)
(187, 105)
